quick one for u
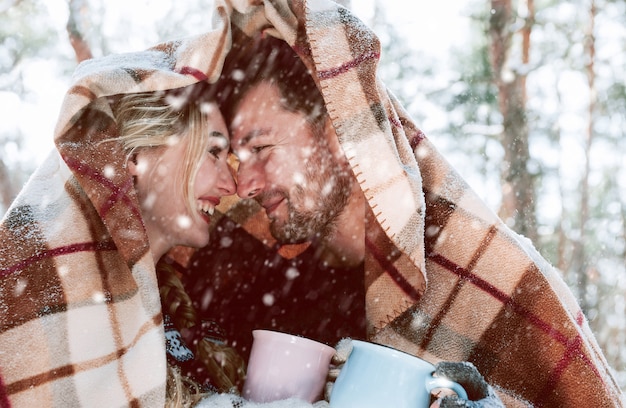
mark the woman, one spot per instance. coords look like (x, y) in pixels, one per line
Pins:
(168, 151)
(135, 175)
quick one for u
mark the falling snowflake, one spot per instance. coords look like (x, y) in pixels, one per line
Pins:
(268, 299)
(183, 221)
(98, 297)
(292, 273)
(20, 285)
(109, 171)
(226, 242)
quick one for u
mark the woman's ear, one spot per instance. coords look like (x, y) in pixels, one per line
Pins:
(131, 163)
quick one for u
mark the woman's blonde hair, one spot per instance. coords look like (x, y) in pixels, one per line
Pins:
(180, 391)
(157, 119)
(223, 366)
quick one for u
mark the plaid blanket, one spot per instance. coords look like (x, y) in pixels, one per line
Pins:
(80, 320)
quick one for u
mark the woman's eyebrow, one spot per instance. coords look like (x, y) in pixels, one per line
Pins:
(216, 133)
(221, 136)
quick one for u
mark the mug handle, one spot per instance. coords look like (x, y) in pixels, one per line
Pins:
(441, 382)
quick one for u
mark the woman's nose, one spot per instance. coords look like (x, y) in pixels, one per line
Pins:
(227, 181)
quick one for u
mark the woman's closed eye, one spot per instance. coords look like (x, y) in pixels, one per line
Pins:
(216, 151)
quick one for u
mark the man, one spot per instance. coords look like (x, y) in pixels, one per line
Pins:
(291, 164)
(442, 277)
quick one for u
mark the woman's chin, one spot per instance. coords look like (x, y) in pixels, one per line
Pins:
(200, 239)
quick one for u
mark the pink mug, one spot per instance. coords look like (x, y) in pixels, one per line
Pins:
(285, 366)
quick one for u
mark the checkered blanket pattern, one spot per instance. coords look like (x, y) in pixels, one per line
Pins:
(80, 321)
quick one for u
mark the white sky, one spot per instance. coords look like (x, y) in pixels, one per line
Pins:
(430, 27)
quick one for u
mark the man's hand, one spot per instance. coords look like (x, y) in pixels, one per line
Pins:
(479, 393)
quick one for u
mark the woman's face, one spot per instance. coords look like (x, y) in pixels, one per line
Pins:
(159, 180)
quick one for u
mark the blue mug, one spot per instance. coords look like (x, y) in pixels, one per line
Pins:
(376, 376)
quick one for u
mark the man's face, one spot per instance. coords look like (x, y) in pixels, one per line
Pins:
(287, 168)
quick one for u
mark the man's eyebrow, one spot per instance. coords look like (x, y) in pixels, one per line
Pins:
(252, 134)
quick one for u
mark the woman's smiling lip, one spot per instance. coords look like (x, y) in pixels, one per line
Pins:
(205, 217)
(207, 207)
(215, 201)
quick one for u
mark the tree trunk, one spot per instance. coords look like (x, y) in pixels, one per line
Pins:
(7, 193)
(75, 24)
(580, 253)
(518, 191)
(7, 4)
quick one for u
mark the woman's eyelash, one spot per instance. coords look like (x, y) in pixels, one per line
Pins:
(215, 151)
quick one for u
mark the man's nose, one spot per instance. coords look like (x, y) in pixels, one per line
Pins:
(250, 180)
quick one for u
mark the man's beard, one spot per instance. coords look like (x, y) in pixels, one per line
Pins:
(330, 185)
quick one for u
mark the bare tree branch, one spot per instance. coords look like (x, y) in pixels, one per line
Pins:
(78, 9)
(345, 3)
(7, 4)
(6, 192)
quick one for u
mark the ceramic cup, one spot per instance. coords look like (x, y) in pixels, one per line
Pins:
(284, 366)
(377, 376)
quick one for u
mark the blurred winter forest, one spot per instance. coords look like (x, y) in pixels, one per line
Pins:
(527, 101)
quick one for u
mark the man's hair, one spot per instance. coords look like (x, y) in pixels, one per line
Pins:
(271, 60)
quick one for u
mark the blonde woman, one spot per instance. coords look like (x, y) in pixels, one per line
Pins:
(168, 149)
(80, 324)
